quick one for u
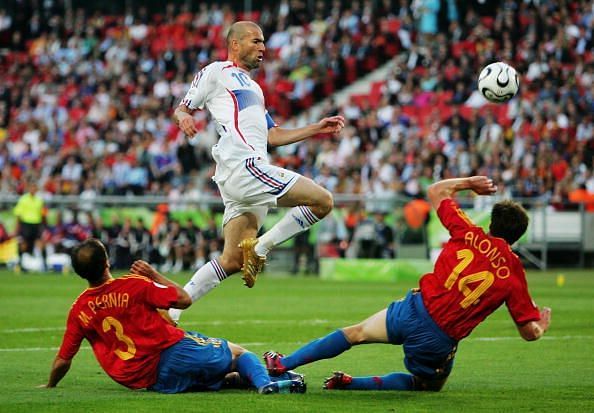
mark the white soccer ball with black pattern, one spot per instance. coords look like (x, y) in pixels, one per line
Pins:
(498, 82)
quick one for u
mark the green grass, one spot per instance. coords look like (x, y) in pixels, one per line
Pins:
(495, 369)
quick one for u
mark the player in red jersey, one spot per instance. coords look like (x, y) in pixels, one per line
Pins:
(136, 346)
(474, 275)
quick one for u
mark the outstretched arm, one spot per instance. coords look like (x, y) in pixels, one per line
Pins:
(279, 137)
(59, 370)
(143, 268)
(533, 330)
(446, 188)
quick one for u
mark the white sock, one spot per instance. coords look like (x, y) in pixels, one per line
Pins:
(295, 221)
(205, 279)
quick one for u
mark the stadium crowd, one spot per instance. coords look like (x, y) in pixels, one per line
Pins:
(86, 98)
(170, 244)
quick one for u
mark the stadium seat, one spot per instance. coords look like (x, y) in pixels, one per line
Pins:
(351, 69)
(393, 25)
(376, 92)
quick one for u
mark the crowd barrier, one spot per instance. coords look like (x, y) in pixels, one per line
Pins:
(550, 230)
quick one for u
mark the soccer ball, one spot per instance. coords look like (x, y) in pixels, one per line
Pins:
(498, 82)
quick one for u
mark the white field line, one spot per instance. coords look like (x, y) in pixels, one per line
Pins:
(293, 343)
(311, 322)
(195, 323)
(87, 347)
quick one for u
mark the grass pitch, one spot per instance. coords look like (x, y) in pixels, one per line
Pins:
(495, 369)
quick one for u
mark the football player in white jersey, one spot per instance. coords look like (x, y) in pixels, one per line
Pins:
(248, 183)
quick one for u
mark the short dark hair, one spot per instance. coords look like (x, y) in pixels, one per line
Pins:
(509, 221)
(89, 259)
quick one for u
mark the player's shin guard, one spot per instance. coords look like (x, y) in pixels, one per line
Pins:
(393, 381)
(249, 367)
(295, 221)
(324, 348)
(205, 279)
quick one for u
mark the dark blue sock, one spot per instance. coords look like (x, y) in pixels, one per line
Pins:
(323, 348)
(249, 367)
(393, 381)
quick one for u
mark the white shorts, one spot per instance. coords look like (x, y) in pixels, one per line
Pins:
(254, 187)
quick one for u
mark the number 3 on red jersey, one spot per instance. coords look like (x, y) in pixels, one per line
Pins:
(108, 323)
(472, 296)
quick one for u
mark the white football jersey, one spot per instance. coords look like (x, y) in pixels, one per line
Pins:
(236, 104)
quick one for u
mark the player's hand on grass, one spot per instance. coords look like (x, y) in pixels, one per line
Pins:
(545, 318)
(333, 124)
(482, 185)
(143, 268)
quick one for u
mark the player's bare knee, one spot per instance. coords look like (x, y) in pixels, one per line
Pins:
(236, 349)
(354, 334)
(324, 205)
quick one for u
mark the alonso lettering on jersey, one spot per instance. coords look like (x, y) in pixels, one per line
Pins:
(486, 248)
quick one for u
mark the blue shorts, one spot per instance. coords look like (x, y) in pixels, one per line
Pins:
(196, 363)
(428, 351)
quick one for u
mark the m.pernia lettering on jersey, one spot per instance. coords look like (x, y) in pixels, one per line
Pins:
(100, 302)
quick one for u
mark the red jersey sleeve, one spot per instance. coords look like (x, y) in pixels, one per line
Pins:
(453, 218)
(519, 303)
(73, 337)
(159, 295)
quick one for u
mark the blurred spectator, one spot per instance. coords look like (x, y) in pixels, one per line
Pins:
(29, 212)
(173, 247)
(100, 232)
(351, 220)
(8, 248)
(581, 195)
(212, 246)
(140, 241)
(416, 217)
(71, 173)
(53, 236)
(384, 237)
(304, 257)
(88, 195)
(193, 243)
(138, 178)
(332, 237)
(123, 246)
(114, 229)
(426, 12)
(364, 243)
(78, 228)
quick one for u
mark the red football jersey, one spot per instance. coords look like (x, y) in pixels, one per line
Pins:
(121, 322)
(474, 274)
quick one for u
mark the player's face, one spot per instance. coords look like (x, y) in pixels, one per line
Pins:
(251, 49)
